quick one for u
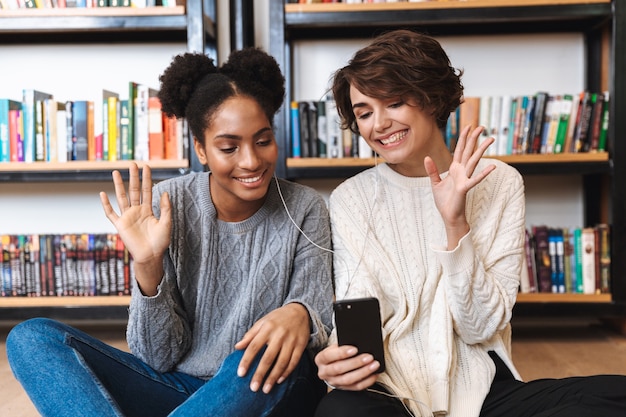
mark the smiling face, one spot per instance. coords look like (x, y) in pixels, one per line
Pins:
(241, 152)
(401, 132)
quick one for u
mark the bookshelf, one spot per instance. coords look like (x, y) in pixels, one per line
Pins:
(192, 24)
(602, 23)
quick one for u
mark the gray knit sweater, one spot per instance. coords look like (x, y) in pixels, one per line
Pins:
(220, 277)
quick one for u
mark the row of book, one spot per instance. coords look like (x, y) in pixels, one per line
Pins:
(316, 132)
(65, 265)
(567, 260)
(541, 123)
(108, 128)
(47, 4)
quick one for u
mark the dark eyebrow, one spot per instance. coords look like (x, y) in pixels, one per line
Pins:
(237, 137)
(357, 105)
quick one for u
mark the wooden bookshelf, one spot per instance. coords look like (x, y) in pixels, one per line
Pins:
(602, 24)
(52, 301)
(88, 170)
(428, 5)
(93, 12)
(565, 163)
(563, 298)
(511, 159)
(90, 165)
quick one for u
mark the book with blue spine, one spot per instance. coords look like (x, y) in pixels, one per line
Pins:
(6, 105)
(296, 151)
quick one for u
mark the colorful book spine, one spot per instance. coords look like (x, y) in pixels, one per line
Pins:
(294, 112)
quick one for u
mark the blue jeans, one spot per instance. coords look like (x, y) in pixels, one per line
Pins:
(66, 372)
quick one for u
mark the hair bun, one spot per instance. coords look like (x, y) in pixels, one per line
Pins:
(180, 79)
(256, 72)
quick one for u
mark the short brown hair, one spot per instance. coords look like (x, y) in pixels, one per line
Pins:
(403, 64)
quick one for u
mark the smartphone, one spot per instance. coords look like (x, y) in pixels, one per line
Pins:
(358, 324)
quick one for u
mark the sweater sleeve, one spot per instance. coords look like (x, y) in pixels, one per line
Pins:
(481, 275)
(158, 330)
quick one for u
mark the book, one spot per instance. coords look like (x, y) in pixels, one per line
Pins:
(16, 135)
(484, 119)
(156, 144)
(17, 264)
(550, 124)
(40, 140)
(312, 119)
(588, 260)
(569, 137)
(595, 124)
(469, 112)
(542, 258)
(518, 124)
(528, 282)
(502, 139)
(50, 118)
(494, 123)
(294, 112)
(29, 97)
(604, 128)
(560, 260)
(69, 125)
(62, 136)
(170, 137)
(583, 118)
(322, 129)
(111, 147)
(128, 148)
(515, 102)
(141, 122)
(537, 124)
(333, 126)
(605, 257)
(526, 126)
(305, 139)
(349, 143)
(124, 130)
(7, 281)
(6, 105)
(80, 123)
(451, 133)
(569, 272)
(365, 150)
(565, 109)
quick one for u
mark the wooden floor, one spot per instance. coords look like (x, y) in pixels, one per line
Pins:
(541, 349)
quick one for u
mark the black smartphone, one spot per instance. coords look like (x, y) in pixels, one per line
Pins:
(358, 324)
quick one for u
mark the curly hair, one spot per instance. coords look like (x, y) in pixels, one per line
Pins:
(400, 64)
(194, 88)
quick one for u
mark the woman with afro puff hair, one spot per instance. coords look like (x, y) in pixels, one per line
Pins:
(232, 291)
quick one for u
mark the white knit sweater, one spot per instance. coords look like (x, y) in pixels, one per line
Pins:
(442, 311)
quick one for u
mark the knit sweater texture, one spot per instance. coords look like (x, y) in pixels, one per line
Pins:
(442, 310)
(221, 277)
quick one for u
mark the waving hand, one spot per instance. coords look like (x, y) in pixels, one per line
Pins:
(145, 236)
(450, 192)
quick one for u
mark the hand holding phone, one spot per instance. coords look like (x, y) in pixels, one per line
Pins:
(358, 324)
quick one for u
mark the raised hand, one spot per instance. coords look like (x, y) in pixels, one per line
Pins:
(145, 236)
(450, 192)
